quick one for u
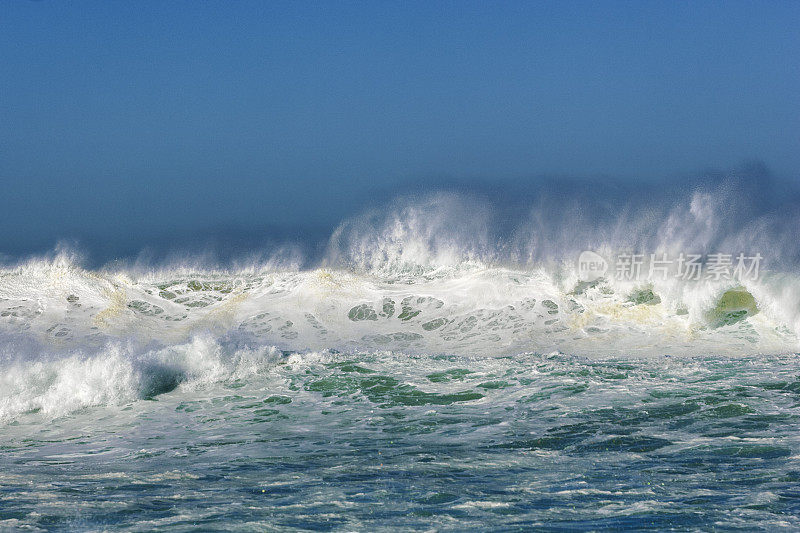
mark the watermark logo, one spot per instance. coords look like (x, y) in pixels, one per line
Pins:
(684, 266)
(591, 266)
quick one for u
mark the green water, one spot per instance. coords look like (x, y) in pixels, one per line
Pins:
(384, 440)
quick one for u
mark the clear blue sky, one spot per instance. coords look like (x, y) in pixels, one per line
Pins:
(143, 121)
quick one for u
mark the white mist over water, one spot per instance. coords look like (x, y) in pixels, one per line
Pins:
(440, 339)
(429, 275)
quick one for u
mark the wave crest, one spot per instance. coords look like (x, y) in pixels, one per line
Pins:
(56, 384)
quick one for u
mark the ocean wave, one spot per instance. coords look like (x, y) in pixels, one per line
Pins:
(460, 308)
(438, 274)
(41, 380)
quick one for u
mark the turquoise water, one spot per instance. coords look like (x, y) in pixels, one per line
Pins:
(413, 384)
(384, 440)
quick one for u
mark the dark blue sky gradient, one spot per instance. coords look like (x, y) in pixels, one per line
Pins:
(128, 124)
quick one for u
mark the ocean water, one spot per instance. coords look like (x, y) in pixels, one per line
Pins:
(423, 375)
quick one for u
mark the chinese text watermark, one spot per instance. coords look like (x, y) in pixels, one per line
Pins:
(663, 266)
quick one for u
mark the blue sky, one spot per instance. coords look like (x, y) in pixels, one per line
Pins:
(124, 124)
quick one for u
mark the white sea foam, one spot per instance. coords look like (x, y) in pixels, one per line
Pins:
(56, 384)
(427, 276)
(458, 308)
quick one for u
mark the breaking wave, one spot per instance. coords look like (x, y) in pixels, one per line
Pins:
(443, 273)
(54, 384)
